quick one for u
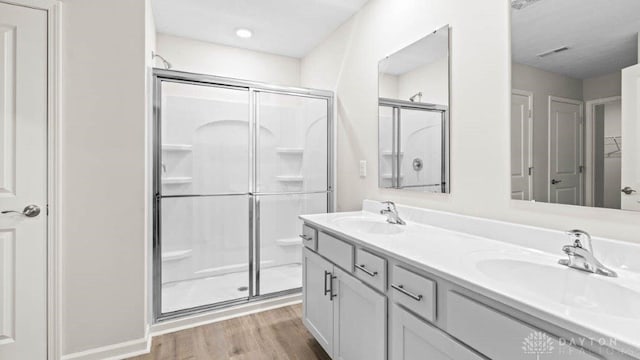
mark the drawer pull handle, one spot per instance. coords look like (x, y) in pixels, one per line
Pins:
(305, 237)
(366, 271)
(408, 293)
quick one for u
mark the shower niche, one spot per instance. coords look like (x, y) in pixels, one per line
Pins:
(235, 164)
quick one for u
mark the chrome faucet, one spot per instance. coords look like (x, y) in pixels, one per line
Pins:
(392, 213)
(582, 258)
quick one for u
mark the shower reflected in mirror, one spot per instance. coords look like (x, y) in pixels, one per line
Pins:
(413, 118)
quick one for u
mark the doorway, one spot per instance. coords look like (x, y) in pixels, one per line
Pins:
(566, 167)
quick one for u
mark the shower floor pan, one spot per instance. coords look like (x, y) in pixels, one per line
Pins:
(215, 289)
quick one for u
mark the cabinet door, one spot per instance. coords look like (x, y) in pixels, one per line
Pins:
(317, 305)
(360, 320)
(413, 339)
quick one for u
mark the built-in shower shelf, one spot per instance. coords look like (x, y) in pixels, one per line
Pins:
(295, 241)
(290, 178)
(176, 255)
(228, 269)
(389, 176)
(177, 147)
(177, 180)
(290, 150)
(390, 153)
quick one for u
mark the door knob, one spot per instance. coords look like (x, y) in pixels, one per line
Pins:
(554, 181)
(29, 211)
(628, 190)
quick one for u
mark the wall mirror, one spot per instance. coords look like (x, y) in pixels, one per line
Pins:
(413, 118)
(574, 105)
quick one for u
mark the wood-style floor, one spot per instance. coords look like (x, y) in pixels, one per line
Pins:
(275, 334)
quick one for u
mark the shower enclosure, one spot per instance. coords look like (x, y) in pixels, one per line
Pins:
(413, 143)
(235, 163)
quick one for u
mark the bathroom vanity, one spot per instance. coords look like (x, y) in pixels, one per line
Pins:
(447, 286)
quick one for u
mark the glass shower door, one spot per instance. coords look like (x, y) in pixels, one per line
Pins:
(291, 179)
(421, 149)
(203, 201)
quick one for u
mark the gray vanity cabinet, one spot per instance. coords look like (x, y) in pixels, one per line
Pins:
(360, 315)
(347, 317)
(317, 308)
(414, 339)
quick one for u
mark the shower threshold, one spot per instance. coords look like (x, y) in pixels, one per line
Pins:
(222, 288)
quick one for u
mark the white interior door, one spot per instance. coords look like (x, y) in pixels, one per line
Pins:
(23, 120)
(565, 151)
(521, 154)
(630, 138)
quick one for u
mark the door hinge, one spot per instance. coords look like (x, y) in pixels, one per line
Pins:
(581, 169)
(530, 114)
(531, 171)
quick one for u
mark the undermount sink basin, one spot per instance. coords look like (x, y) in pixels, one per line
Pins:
(368, 226)
(575, 288)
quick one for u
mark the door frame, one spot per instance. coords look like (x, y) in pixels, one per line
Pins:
(581, 137)
(529, 95)
(53, 8)
(589, 149)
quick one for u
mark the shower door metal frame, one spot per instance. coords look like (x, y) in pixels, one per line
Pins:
(397, 106)
(253, 88)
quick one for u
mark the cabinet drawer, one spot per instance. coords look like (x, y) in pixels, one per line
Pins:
(371, 269)
(501, 337)
(309, 237)
(414, 292)
(414, 339)
(337, 251)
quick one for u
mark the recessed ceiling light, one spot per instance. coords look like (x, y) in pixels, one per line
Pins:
(244, 33)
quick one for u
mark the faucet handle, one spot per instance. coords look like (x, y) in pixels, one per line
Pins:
(579, 238)
(390, 205)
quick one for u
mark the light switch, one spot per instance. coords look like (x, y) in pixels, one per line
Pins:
(363, 168)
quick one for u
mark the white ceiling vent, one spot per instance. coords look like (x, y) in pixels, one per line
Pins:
(521, 4)
(554, 51)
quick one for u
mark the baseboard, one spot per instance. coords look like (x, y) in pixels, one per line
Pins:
(119, 351)
(170, 326)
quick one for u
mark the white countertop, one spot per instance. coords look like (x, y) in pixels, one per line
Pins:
(590, 305)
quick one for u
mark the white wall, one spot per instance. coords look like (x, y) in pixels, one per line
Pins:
(213, 59)
(150, 47)
(543, 84)
(432, 80)
(103, 174)
(602, 86)
(480, 106)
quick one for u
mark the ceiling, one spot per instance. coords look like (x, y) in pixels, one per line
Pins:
(425, 51)
(602, 35)
(284, 27)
